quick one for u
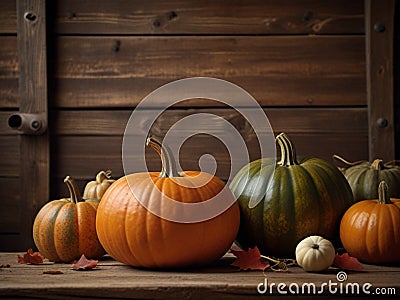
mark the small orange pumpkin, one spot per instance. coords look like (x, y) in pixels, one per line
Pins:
(65, 229)
(370, 229)
(136, 236)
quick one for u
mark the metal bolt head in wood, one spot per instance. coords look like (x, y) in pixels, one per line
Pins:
(379, 27)
(382, 122)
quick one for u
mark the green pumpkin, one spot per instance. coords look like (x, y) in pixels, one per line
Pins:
(302, 197)
(364, 178)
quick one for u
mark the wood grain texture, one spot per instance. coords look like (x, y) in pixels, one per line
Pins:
(113, 280)
(10, 158)
(211, 17)
(35, 165)
(88, 141)
(8, 72)
(11, 208)
(8, 17)
(296, 120)
(101, 153)
(277, 71)
(379, 50)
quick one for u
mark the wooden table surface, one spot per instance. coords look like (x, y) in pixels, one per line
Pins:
(113, 280)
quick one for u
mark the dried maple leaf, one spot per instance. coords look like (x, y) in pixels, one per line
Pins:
(249, 260)
(30, 257)
(347, 262)
(84, 264)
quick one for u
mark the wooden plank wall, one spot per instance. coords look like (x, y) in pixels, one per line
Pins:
(304, 61)
(396, 77)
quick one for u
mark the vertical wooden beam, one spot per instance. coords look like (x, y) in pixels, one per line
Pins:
(34, 165)
(379, 50)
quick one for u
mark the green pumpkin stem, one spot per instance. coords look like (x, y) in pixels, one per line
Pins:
(377, 164)
(383, 194)
(168, 163)
(75, 196)
(288, 152)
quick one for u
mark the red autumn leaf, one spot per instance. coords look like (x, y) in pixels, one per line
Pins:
(84, 264)
(249, 260)
(30, 257)
(347, 262)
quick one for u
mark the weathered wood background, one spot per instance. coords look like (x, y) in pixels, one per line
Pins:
(304, 61)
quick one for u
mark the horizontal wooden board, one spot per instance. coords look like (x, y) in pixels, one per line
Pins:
(297, 120)
(277, 71)
(8, 72)
(219, 280)
(8, 16)
(10, 213)
(196, 17)
(210, 17)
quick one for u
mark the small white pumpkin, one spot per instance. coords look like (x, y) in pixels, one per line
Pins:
(96, 188)
(315, 254)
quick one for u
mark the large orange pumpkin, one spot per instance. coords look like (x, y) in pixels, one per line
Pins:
(137, 236)
(370, 229)
(65, 229)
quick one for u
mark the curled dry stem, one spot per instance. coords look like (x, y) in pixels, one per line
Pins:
(279, 265)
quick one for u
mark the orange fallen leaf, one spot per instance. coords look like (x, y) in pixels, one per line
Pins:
(30, 257)
(84, 264)
(249, 260)
(347, 262)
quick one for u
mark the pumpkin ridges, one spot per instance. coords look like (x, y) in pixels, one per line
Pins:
(373, 229)
(138, 220)
(64, 229)
(391, 179)
(88, 242)
(330, 197)
(310, 212)
(324, 195)
(357, 176)
(44, 229)
(115, 236)
(389, 214)
(189, 232)
(123, 245)
(366, 226)
(154, 236)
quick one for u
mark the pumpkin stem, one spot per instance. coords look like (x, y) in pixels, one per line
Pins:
(103, 175)
(75, 196)
(383, 195)
(167, 160)
(315, 246)
(346, 162)
(377, 164)
(288, 152)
